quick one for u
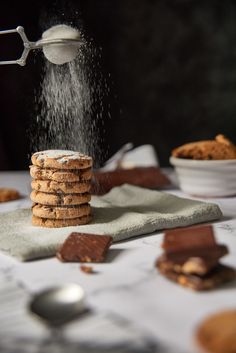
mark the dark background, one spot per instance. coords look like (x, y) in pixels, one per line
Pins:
(170, 65)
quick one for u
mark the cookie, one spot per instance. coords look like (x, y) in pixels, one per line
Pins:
(7, 194)
(217, 333)
(61, 175)
(218, 149)
(59, 199)
(58, 223)
(61, 159)
(63, 212)
(222, 139)
(51, 186)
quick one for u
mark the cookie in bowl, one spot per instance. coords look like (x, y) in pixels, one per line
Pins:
(217, 149)
(206, 168)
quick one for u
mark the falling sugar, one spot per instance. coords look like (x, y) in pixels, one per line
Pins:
(66, 101)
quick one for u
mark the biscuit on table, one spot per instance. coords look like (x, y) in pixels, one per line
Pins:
(61, 212)
(217, 333)
(7, 194)
(61, 159)
(44, 198)
(63, 175)
(51, 186)
(218, 149)
(58, 223)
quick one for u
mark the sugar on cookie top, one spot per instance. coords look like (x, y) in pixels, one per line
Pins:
(62, 156)
(61, 159)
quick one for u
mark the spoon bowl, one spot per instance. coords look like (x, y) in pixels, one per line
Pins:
(58, 305)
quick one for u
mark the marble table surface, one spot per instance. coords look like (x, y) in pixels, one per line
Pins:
(131, 301)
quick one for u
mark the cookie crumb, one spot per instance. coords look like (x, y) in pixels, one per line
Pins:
(87, 269)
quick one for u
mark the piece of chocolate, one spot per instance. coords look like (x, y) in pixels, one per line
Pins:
(81, 247)
(219, 275)
(195, 260)
(148, 177)
(180, 239)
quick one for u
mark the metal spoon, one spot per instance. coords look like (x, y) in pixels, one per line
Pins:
(58, 305)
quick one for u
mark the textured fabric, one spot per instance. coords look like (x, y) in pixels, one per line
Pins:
(124, 212)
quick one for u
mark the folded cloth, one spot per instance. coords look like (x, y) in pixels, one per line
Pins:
(124, 212)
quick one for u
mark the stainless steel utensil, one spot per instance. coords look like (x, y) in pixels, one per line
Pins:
(58, 305)
(28, 45)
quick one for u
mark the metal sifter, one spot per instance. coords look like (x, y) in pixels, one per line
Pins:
(60, 45)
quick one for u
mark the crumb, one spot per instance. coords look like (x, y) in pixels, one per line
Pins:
(87, 269)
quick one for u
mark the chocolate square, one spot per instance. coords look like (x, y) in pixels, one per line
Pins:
(180, 239)
(82, 247)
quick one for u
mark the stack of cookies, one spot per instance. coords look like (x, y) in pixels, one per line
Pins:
(61, 188)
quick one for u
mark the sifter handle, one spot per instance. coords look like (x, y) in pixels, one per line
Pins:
(27, 46)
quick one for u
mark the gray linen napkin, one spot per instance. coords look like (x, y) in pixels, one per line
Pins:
(124, 212)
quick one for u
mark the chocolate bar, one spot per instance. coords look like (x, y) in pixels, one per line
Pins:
(194, 260)
(191, 258)
(148, 177)
(81, 247)
(180, 239)
(217, 276)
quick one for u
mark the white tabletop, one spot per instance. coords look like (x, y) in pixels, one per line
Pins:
(128, 285)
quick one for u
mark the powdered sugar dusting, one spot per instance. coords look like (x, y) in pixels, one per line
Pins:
(66, 104)
(62, 156)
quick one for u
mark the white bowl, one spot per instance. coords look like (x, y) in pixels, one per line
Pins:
(213, 178)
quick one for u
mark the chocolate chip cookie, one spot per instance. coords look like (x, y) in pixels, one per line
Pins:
(218, 149)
